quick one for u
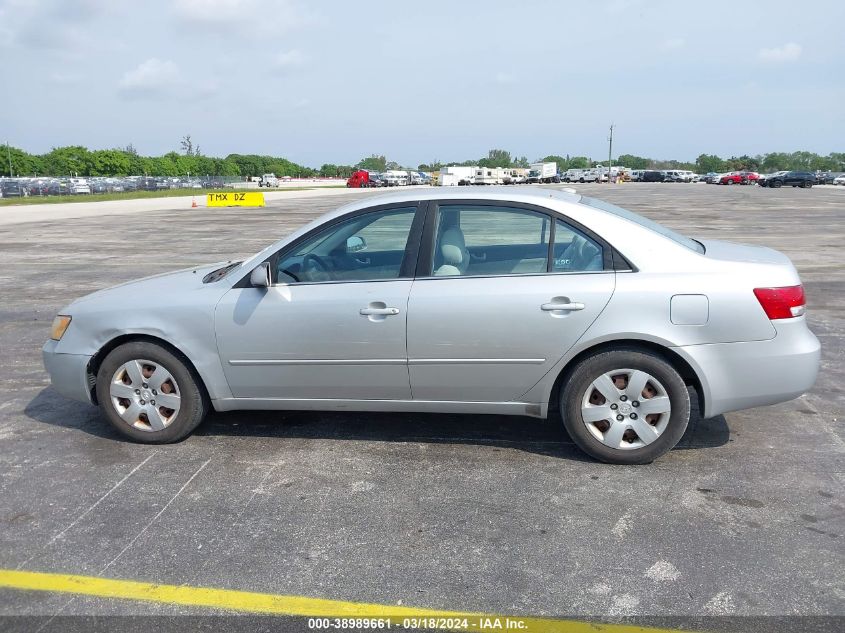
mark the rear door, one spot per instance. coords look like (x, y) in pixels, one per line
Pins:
(502, 292)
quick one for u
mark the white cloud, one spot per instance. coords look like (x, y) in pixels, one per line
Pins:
(674, 43)
(150, 77)
(248, 17)
(288, 60)
(786, 53)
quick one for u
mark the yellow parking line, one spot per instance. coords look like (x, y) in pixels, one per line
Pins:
(250, 602)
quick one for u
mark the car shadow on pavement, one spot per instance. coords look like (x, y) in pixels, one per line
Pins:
(544, 437)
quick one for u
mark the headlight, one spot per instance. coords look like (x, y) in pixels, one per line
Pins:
(60, 324)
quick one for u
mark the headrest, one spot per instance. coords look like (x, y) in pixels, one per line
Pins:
(452, 246)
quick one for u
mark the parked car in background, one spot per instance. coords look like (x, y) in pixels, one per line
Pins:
(12, 189)
(839, 180)
(651, 175)
(765, 177)
(79, 186)
(826, 177)
(803, 179)
(678, 175)
(58, 188)
(574, 175)
(39, 187)
(739, 178)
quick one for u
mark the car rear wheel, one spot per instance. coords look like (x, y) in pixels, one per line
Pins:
(625, 406)
(807, 184)
(148, 394)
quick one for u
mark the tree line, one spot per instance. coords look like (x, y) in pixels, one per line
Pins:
(76, 160)
(80, 161)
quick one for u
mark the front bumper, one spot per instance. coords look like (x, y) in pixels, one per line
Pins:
(68, 372)
(738, 376)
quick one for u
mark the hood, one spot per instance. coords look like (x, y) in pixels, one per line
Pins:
(179, 281)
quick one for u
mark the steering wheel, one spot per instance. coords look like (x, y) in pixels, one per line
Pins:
(312, 262)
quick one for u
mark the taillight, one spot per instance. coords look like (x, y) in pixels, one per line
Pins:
(781, 303)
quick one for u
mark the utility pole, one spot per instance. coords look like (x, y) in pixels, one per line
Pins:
(9, 156)
(609, 152)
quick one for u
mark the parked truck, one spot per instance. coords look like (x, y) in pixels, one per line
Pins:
(364, 178)
(543, 173)
(268, 180)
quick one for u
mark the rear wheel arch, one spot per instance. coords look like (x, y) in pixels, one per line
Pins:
(679, 363)
(99, 357)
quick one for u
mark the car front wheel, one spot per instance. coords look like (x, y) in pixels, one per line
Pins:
(625, 406)
(149, 394)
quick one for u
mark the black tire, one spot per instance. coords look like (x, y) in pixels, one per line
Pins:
(194, 401)
(579, 379)
(777, 184)
(807, 184)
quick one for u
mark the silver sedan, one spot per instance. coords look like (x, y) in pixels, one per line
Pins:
(519, 302)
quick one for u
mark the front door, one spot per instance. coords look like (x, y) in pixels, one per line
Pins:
(332, 325)
(496, 314)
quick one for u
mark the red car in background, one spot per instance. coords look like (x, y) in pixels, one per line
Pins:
(740, 178)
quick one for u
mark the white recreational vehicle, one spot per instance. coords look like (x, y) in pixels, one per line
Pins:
(457, 175)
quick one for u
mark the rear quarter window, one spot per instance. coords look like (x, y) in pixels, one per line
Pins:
(644, 222)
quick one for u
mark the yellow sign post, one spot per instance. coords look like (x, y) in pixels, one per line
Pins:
(235, 199)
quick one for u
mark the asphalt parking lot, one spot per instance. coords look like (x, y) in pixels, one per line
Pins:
(480, 513)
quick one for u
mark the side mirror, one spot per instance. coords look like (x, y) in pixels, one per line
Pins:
(355, 244)
(260, 276)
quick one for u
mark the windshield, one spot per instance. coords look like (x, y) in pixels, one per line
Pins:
(644, 222)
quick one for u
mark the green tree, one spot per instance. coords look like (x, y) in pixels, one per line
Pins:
(579, 162)
(496, 158)
(632, 162)
(374, 162)
(434, 165)
(110, 162)
(68, 161)
(23, 163)
(707, 163)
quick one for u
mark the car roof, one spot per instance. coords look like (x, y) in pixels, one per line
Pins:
(527, 195)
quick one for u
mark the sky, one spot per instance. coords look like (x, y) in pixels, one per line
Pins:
(328, 81)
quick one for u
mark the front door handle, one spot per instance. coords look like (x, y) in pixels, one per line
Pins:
(554, 307)
(378, 311)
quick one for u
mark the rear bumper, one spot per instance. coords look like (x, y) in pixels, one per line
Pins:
(738, 376)
(68, 372)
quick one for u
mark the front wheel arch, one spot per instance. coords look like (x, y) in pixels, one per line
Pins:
(679, 364)
(97, 359)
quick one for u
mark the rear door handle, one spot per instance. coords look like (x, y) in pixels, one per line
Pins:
(378, 311)
(553, 307)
